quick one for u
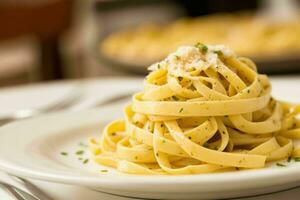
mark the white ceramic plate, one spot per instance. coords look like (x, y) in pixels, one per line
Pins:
(34, 96)
(32, 148)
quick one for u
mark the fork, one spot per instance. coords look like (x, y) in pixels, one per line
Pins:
(33, 191)
(66, 102)
(16, 193)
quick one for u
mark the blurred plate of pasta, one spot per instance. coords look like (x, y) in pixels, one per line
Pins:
(275, 46)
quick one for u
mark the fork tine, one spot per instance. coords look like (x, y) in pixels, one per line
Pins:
(11, 191)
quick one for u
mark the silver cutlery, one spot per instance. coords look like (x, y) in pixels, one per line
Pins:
(16, 193)
(66, 102)
(33, 192)
(37, 193)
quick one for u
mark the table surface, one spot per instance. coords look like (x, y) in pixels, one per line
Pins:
(96, 89)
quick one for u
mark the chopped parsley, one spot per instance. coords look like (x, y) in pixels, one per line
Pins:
(297, 159)
(79, 152)
(164, 141)
(85, 161)
(248, 91)
(104, 170)
(203, 48)
(63, 153)
(219, 52)
(280, 165)
(181, 109)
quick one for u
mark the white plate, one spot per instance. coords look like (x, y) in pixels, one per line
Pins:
(39, 95)
(31, 148)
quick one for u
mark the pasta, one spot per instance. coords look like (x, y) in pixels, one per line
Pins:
(203, 109)
(248, 34)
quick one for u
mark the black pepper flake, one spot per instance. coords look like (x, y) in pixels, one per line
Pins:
(177, 57)
(295, 125)
(190, 137)
(156, 154)
(175, 98)
(289, 159)
(236, 168)
(113, 134)
(248, 91)
(180, 78)
(161, 125)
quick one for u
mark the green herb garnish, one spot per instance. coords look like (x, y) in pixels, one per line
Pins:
(85, 161)
(297, 159)
(103, 170)
(181, 109)
(79, 152)
(219, 52)
(64, 153)
(203, 48)
(280, 165)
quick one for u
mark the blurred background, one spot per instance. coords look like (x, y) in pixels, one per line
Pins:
(69, 39)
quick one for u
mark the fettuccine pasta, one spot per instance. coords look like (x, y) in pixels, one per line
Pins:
(203, 109)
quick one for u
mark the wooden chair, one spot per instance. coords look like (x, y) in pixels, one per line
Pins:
(44, 19)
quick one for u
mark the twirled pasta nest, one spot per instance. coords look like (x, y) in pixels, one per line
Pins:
(215, 116)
